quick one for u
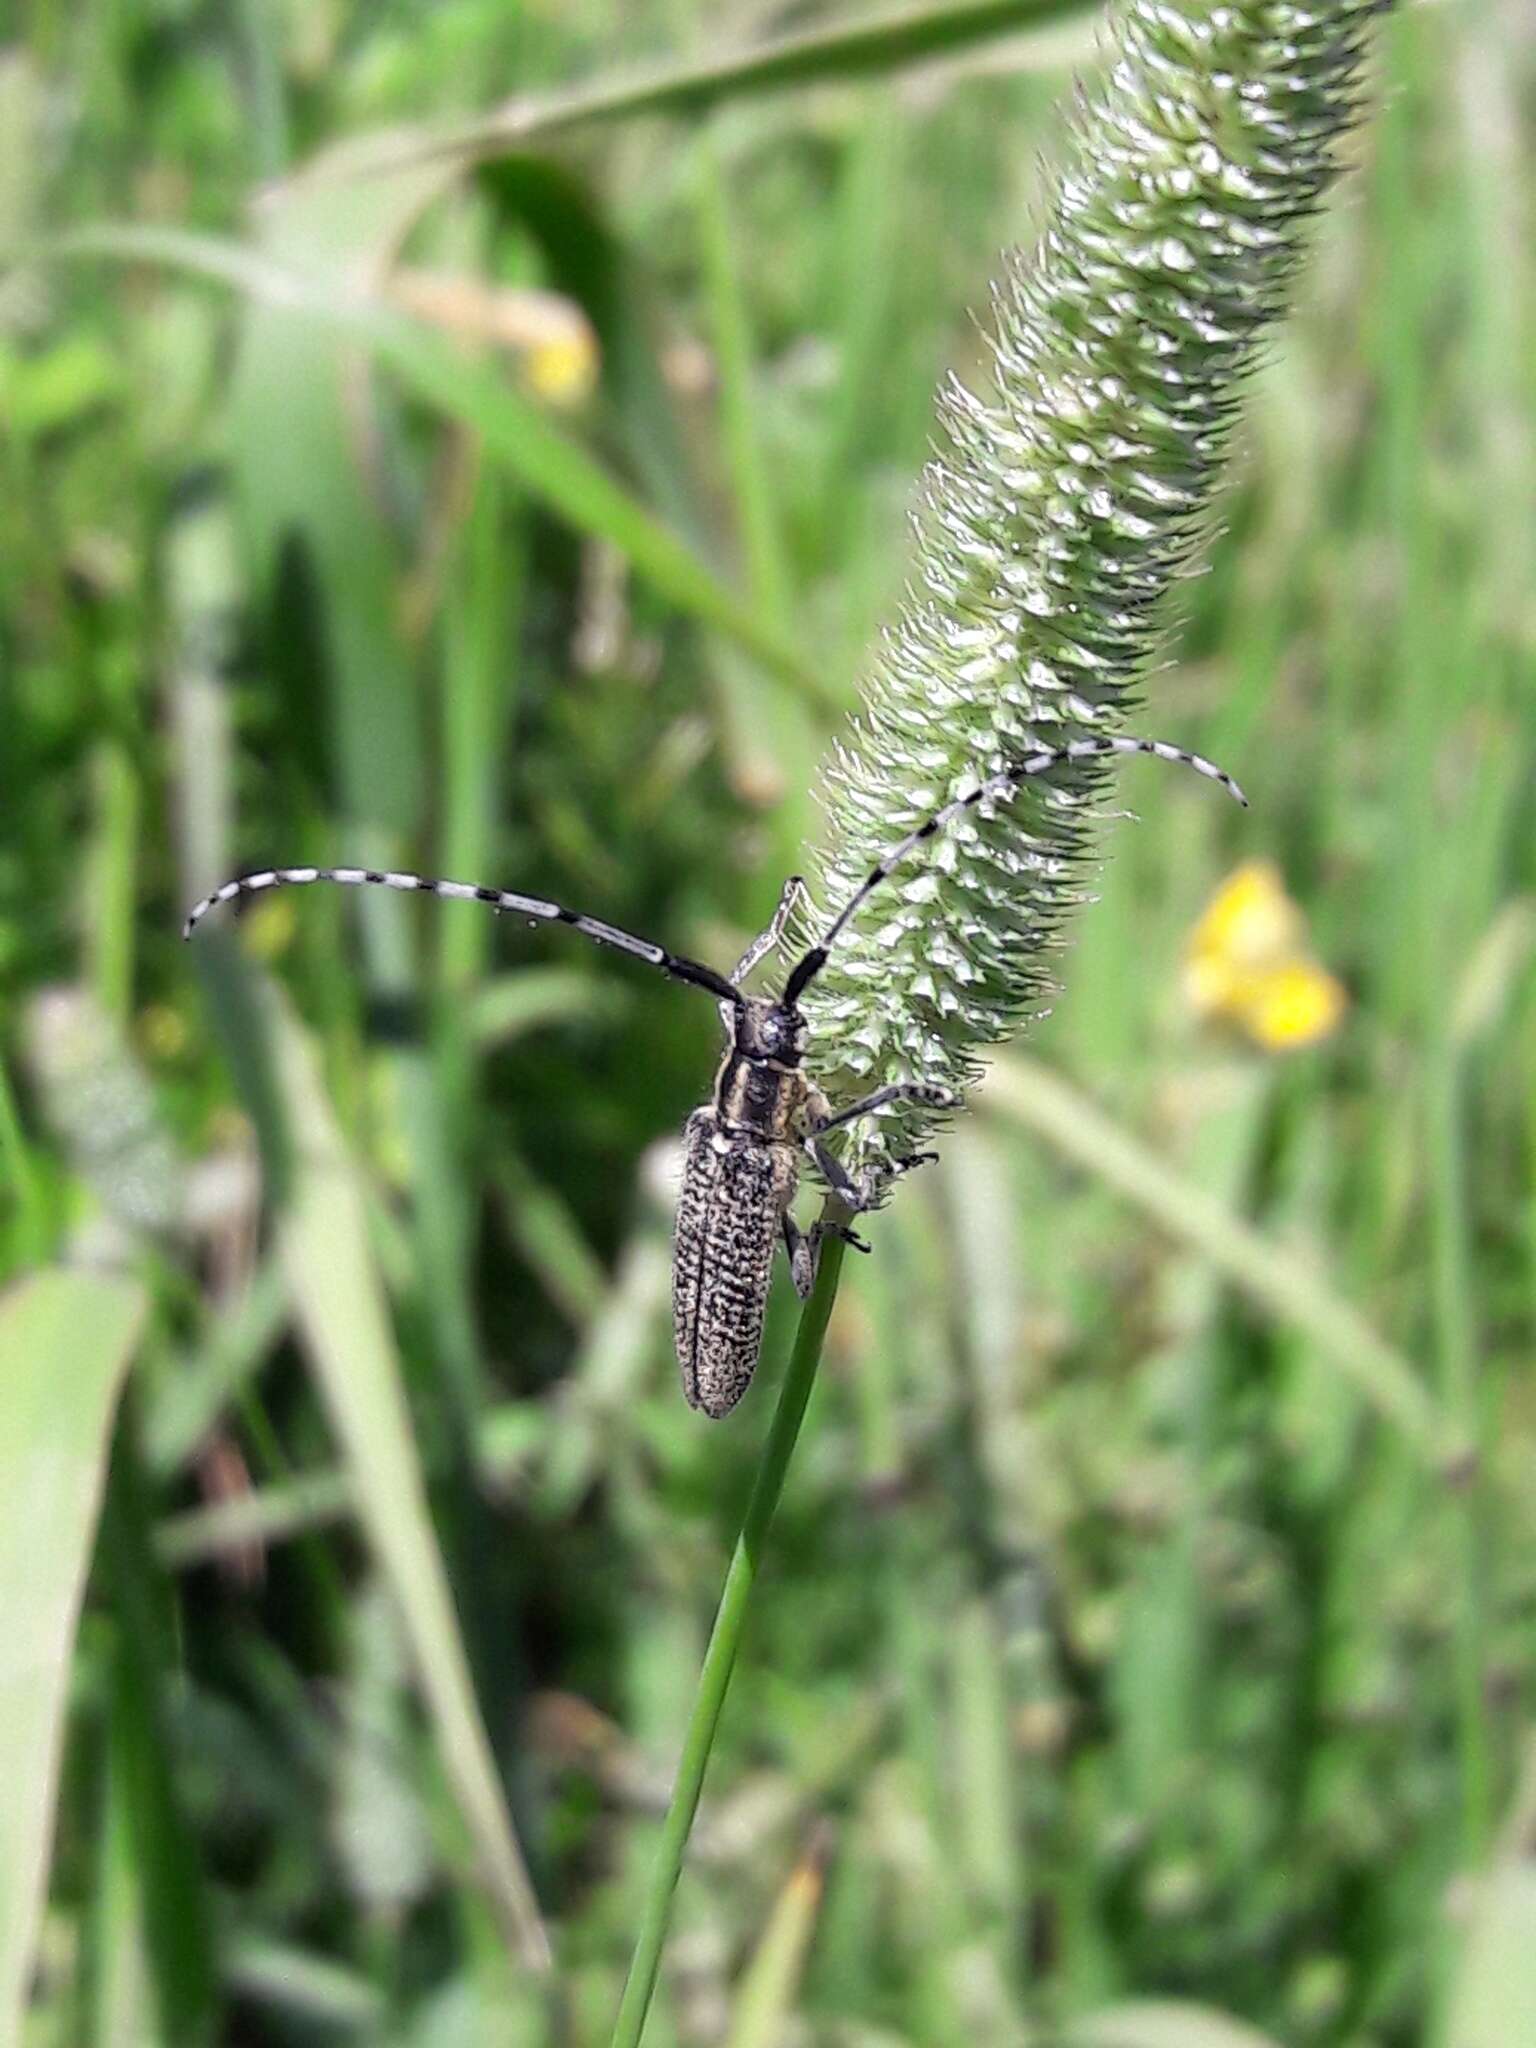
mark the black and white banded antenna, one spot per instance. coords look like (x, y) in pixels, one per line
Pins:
(997, 789)
(694, 973)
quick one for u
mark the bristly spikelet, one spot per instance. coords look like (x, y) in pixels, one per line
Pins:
(1069, 501)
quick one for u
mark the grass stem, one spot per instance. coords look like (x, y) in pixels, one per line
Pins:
(724, 1642)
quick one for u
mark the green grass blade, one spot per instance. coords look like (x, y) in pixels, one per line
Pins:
(1493, 1991)
(312, 1990)
(1163, 2023)
(547, 1234)
(121, 1998)
(1160, 1676)
(186, 1405)
(584, 256)
(861, 49)
(66, 1339)
(263, 1515)
(259, 28)
(772, 745)
(1284, 1286)
(741, 406)
(770, 1984)
(342, 1317)
(514, 431)
(865, 242)
(1496, 1990)
(311, 514)
(26, 1224)
(481, 619)
(113, 861)
(985, 1775)
(163, 1897)
(528, 999)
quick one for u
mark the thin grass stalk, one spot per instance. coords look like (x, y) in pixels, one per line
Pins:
(724, 1643)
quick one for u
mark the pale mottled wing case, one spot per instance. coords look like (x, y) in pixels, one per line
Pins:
(728, 1224)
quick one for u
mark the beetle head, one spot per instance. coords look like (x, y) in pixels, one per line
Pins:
(767, 1030)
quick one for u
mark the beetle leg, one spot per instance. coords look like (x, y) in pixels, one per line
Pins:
(867, 1191)
(898, 1091)
(804, 1248)
(855, 1194)
(793, 891)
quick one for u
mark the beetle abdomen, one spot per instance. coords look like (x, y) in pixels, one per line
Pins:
(729, 1213)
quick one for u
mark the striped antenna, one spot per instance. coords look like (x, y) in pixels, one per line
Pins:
(693, 972)
(999, 789)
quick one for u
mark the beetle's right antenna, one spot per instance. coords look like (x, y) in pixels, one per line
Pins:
(693, 972)
(999, 789)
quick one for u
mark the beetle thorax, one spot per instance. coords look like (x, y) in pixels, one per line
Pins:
(760, 1091)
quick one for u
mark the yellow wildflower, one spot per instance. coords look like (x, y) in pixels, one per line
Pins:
(553, 340)
(561, 367)
(1248, 963)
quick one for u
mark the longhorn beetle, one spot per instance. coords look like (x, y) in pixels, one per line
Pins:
(744, 1149)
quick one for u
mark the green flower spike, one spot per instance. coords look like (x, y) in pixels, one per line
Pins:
(1072, 496)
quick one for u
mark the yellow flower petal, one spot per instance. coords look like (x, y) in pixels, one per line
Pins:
(563, 369)
(1247, 962)
(1250, 920)
(1210, 986)
(1296, 1005)
(550, 335)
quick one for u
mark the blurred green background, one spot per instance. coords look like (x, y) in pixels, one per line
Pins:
(1147, 1633)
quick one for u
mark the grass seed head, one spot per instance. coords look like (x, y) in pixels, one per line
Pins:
(1070, 498)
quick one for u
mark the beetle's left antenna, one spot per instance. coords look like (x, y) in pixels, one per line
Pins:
(996, 790)
(693, 972)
